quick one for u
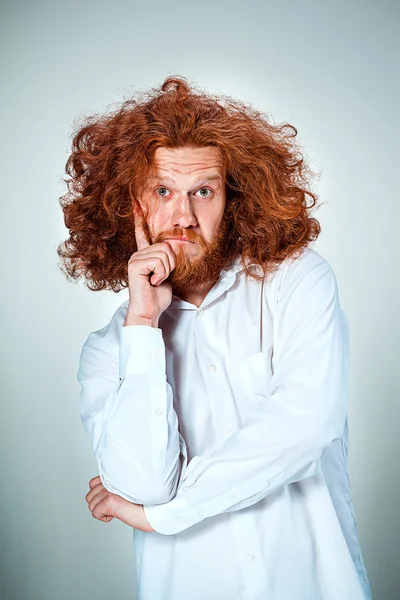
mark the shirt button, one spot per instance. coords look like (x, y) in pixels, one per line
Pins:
(226, 429)
(200, 311)
(154, 353)
(180, 520)
(159, 411)
(250, 556)
(212, 368)
(232, 496)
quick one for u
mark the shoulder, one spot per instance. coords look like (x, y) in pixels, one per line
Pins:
(100, 352)
(107, 338)
(305, 261)
(308, 273)
(302, 274)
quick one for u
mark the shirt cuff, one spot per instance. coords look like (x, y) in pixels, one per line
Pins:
(172, 517)
(141, 350)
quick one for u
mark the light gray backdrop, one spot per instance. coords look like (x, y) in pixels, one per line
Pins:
(328, 67)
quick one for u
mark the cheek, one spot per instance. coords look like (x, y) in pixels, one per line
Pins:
(158, 222)
(214, 219)
(210, 225)
(218, 212)
(153, 215)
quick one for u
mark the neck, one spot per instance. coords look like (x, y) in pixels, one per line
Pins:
(195, 295)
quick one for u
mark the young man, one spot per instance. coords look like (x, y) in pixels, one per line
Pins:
(216, 398)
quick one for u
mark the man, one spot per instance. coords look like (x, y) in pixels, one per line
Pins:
(216, 398)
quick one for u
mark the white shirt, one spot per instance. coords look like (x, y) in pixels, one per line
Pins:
(229, 424)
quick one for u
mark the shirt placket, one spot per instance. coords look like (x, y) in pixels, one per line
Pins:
(224, 417)
(250, 555)
(225, 421)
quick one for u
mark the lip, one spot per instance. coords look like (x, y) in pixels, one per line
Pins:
(180, 240)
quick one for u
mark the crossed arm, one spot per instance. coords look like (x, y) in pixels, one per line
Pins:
(282, 440)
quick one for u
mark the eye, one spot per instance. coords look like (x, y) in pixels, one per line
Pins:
(162, 188)
(161, 192)
(206, 189)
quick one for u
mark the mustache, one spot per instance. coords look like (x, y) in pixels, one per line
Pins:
(183, 233)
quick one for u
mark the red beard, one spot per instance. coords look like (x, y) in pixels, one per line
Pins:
(191, 273)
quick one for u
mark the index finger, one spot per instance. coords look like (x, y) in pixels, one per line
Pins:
(94, 481)
(142, 240)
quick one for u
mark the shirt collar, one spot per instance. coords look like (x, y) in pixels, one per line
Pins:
(226, 280)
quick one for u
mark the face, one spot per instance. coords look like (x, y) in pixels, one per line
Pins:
(187, 200)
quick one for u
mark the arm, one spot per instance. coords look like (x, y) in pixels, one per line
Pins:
(126, 406)
(288, 430)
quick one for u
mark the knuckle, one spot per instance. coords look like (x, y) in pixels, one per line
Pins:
(165, 254)
(160, 261)
(167, 249)
(110, 501)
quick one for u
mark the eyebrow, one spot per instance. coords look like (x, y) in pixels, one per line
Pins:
(196, 181)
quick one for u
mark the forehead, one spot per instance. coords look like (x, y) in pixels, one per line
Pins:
(187, 161)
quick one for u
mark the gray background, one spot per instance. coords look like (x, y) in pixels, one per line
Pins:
(329, 68)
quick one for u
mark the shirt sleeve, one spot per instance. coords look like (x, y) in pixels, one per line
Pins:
(289, 428)
(126, 406)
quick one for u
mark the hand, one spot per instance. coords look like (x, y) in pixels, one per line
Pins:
(105, 505)
(149, 296)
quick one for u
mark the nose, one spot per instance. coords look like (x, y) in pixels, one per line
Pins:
(183, 215)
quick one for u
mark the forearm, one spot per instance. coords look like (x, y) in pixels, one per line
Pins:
(138, 450)
(131, 421)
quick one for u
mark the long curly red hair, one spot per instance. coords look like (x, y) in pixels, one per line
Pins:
(268, 198)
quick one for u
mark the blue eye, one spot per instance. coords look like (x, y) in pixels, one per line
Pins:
(164, 195)
(204, 188)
